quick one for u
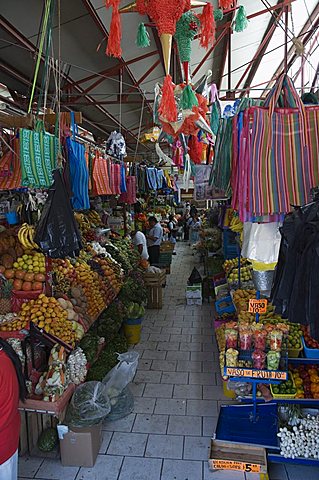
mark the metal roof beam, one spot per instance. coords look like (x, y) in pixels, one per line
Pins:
(254, 65)
(88, 5)
(25, 42)
(291, 56)
(113, 71)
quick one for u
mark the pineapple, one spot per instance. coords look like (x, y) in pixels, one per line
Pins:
(5, 296)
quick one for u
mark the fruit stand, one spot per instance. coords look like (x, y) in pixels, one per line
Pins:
(280, 361)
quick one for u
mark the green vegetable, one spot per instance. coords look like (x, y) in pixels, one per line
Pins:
(48, 440)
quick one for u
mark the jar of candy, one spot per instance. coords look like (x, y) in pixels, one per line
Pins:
(273, 359)
(231, 338)
(232, 357)
(245, 339)
(260, 337)
(275, 340)
(259, 359)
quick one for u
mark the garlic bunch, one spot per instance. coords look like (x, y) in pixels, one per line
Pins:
(76, 366)
(301, 440)
(8, 317)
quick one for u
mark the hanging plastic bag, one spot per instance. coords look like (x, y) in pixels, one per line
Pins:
(116, 382)
(261, 242)
(57, 232)
(89, 405)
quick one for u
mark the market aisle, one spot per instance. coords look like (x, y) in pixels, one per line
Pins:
(177, 393)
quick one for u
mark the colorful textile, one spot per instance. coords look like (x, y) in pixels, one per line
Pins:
(151, 176)
(123, 180)
(101, 181)
(38, 156)
(115, 178)
(129, 196)
(10, 168)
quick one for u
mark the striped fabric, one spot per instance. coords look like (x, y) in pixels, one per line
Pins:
(278, 159)
(101, 182)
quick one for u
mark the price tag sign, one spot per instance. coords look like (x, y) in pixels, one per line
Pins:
(252, 373)
(257, 306)
(239, 466)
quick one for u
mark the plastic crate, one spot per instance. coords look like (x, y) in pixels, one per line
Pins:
(295, 352)
(310, 352)
(282, 396)
(219, 279)
(165, 258)
(230, 246)
(224, 305)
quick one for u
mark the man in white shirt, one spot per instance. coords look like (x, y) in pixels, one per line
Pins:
(139, 240)
(154, 240)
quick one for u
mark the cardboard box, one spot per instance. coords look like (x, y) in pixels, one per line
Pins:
(80, 446)
(194, 291)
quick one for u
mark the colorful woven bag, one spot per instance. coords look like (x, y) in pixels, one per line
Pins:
(10, 168)
(38, 156)
(279, 157)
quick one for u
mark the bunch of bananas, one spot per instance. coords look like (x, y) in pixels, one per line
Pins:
(94, 218)
(236, 225)
(26, 237)
(62, 283)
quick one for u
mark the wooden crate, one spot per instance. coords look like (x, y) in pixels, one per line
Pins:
(155, 279)
(238, 457)
(167, 247)
(154, 283)
(36, 416)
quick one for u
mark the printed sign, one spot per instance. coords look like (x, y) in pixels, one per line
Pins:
(257, 306)
(251, 373)
(232, 465)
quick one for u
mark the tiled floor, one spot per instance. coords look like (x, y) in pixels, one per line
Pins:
(177, 393)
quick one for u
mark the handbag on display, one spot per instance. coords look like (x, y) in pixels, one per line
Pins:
(38, 156)
(278, 159)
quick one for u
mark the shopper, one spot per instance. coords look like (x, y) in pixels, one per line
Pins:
(154, 240)
(139, 240)
(186, 219)
(172, 227)
(194, 226)
(12, 387)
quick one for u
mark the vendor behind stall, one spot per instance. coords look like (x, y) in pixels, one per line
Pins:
(154, 240)
(139, 240)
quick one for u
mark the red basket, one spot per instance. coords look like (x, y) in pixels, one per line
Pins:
(19, 297)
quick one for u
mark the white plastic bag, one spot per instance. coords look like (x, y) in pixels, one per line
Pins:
(261, 242)
(121, 375)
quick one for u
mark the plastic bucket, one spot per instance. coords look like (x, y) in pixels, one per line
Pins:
(132, 330)
(12, 218)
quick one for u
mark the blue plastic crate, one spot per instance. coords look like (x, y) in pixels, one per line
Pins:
(235, 425)
(230, 246)
(310, 352)
(227, 308)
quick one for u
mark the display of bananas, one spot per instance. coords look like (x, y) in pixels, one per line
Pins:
(94, 218)
(26, 237)
(236, 225)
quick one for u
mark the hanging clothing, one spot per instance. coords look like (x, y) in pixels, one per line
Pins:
(101, 181)
(115, 178)
(151, 175)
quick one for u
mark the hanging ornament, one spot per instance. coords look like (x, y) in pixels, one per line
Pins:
(186, 29)
(299, 46)
(142, 38)
(207, 31)
(218, 14)
(188, 99)
(241, 22)
(167, 107)
(225, 4)
(113, 48)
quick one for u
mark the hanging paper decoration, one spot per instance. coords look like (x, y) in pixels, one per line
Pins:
(167, 107)
(207, 32)
(143, 38)
(241, 22)
(113, 48)
(186, 29)
(218, 14)
(226, 4)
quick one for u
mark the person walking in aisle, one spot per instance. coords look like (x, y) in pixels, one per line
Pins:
(12, 387)
(154, 240)
(139, 240)
(172, 227)
(194, 226)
